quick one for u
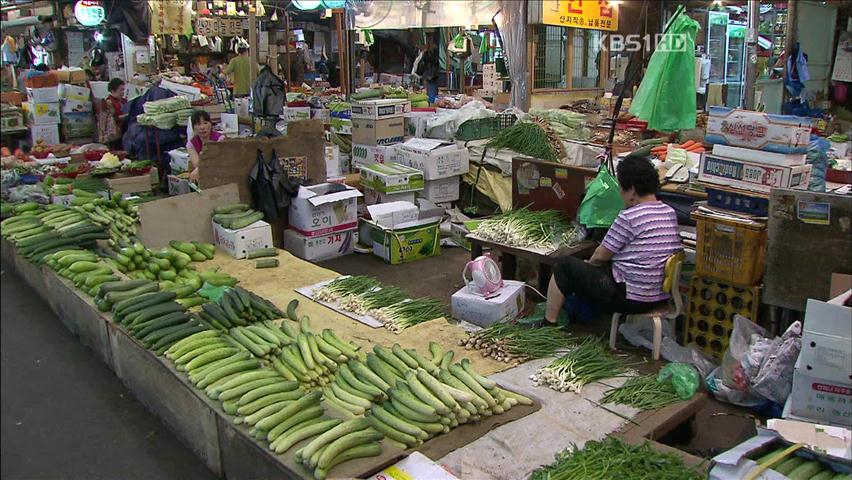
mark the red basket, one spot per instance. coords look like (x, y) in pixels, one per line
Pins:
(139, 171)
(838, 176)
(94, 155)
(40, 155)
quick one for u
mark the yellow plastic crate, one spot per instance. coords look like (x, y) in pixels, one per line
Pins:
(710, 315)
(729, 251)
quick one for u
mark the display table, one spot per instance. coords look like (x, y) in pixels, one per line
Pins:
(545, 260)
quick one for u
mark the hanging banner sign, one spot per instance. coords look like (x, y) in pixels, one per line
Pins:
(592, 14)
(89, 13)
(223, 27)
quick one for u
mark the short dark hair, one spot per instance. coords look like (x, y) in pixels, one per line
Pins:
(114, 84)
(638, 173)
(242, 49)
(199, 115)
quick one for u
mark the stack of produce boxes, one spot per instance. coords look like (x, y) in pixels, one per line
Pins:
(323, 222)
(377, 125)
(42, 109)
(442, 164)
(78, 120)
(752, 153)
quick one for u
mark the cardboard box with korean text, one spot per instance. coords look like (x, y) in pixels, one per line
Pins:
(238, 242)
(385, 131)
(756, 177)
(391, 178)
(48, 134)
(372, 197)
(323, 247)
(827, 342)
(75, 106)
(441, 190)
(413, 241)
(42, 95)
(324, 208)
(503, 304)
(380, 109)
(435, 158)
(42, 113)
(370, 154)
(74, 92)
(757, 130)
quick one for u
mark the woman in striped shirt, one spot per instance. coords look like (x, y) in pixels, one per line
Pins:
(626, 272)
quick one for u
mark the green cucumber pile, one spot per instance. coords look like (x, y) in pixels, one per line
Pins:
(367, 296)
(236, 216)
(119, 215)
(38, 231)
(238, 307)
(83, 267)
(799, 468)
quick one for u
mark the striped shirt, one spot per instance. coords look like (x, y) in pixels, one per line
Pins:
(642, 238)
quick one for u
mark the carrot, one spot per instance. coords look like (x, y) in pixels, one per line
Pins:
(687, 144)
(662, 148)
(694, 148)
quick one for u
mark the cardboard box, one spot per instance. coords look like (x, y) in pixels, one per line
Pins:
(323, 247)
(401, 245)
(415, 467)
(323, 114)
(42, 95)
(460, 231)
(393, 214)
(292, 114)
(370, 154)
(504, 304)
(100, 90)
(436, 158)
(386, 131)
(75, 106)
(818, 399)
(179, 160)
(12, 121)
(372, 197)
(827, 342)
(759, 156)
(134, 184)
(78, 125)
(761, 131)
(49, 134)
(441, 190)
(333, 165)
(72, 75)
(380, 109)
(391, 178)
(74, 92)
(42, 113)
(323, 209)
(341, 121)
(12, 98)
(750, 175)
(178, 185)
(190, 92)
(238, 242)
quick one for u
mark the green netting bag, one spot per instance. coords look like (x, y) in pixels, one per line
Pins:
(666, 96)
(602, 201)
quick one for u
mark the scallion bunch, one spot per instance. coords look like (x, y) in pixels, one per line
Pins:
(547, 229)
(508, 342)
(399, 316)
(643, 392)
(588, 361)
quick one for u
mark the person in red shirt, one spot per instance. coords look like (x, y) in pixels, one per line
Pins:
(116, 99)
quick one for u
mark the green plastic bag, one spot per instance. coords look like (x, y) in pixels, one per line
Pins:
(212, 292)
(684, 378)
(602, 201)
(666, 96)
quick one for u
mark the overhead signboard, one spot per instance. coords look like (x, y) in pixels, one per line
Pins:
(89, 13)
(592, 14)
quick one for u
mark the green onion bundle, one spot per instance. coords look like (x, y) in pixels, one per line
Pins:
(612, 459)
(342, 287)
(375, 299)
(526, 138)
(507, 342)
(402, 315)
(526, 228)
(643, 392)
(588, 361)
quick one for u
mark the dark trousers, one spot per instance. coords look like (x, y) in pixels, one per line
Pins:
(596, 284)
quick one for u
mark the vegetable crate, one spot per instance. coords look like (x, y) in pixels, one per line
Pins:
(710, 316)
(480, 128)
(729, 251)
(737, 201)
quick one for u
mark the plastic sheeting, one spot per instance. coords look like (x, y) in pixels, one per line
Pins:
(512, 23)
(397, 15)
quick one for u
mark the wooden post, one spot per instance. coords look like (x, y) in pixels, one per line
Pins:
(253, 44)
(790, 41)
(343, 60)
(287, 48)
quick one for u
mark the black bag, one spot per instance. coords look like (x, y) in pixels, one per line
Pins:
(270, 188)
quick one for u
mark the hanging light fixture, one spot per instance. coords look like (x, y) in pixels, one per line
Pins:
(307, 4)
(334, 3)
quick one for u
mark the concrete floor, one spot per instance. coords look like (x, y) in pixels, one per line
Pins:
(64, 413)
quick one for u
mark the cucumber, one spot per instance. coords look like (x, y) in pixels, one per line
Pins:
(304, 430)
(367, 375)
(424, 395)
(165, 342)
(246, 377)
(291, 421)
(231, 207)
(211, 356)
(437, 353)
(136, 304)
(437, 389)
(227, 370)
(182, 360)
(265, 412)
(346, 374)
(486, 383)
(149, 313)
(823, 475)
(329, 336)
(278, 387)
(346, 442)
(371, 449)
(331, 435)
(266, 263)
(381, 369)
(265, 401)
(237, 392)
(185, 247)
(805, 471)
(392, 433)
(115, 297)
(305, 401)
(458, 372)
(243, 222)
(262, 252)
(397, 423)
(789, 465)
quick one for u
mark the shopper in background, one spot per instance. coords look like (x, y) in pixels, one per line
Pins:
(428, 68)
(202, 134)
(626, 272)
(239, 68)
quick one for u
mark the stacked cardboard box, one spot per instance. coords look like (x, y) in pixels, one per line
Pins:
(442, 164)
(323, 222)
(377, 125)
(78, 120)
(390, 182)
(42, 112)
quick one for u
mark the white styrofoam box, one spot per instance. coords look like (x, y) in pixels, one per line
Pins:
(415, 466)
(43, 113)
(179, 159)
(442, 190)
(42, 95)
(393, 214)
(238, 242)
(759, 156)
(436, 158)
(48, 133)
(503, 304)
(763, 131)
(377, 109)
(333, 167)
(292, 114)
(391, 177)
(190, 92)
(324, 208)
(323, 247)
(374, 197)
(819, 399)
(74, 92)
(827, 342)
(750, 175)
(370, 154)
(75, 106)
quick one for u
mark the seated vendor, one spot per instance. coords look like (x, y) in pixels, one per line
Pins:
(202, 133)
(626, 272)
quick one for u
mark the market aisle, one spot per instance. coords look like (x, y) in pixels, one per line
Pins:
(65, 414)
